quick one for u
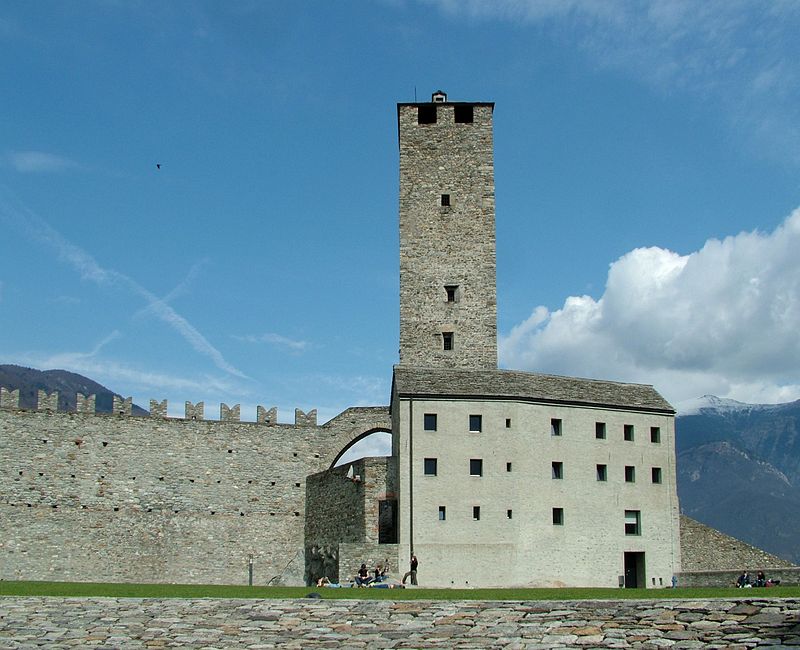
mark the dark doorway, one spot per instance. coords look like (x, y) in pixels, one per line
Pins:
(387, 522)
(634, 570)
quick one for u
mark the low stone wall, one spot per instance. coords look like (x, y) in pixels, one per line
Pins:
(787, 576)
(314, 623)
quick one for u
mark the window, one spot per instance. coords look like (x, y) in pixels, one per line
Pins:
(463, 114)
(450, 291)
(476, 423)
(633, 522)
(655, 474)
(430, 466)
(476, 513)
(602, 472)
(476, 467)
(387, 522)
(445, 200)
(508, 467)
(509, 513)
(555, 427)
(600, 430)
(447, 340)
(630, 474)
(442, 513)
(655, 434)
(508, 423)
(426, 114)
(558, 469)
(558, 516)
(429, 423)
(627, 432)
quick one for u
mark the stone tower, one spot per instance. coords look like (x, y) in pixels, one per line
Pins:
(448, 295)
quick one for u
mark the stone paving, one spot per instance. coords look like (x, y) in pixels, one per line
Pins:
(313, 623)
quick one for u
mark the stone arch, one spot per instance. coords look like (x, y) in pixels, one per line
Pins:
(358, 439)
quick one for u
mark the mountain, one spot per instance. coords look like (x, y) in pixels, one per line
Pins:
(29, 381)
(739, 470)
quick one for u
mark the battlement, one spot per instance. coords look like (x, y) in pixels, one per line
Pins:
(123, 407)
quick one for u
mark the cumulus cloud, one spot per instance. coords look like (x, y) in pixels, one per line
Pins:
(722, 320)
(40, 162)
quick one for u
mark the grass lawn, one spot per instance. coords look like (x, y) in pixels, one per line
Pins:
(126, 590)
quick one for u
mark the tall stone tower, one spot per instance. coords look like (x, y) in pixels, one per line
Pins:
(448, 294)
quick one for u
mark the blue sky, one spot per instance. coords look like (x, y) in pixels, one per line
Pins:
(646, 161)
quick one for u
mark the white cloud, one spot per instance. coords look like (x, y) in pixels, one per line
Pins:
(40, 162)
(738, 55)
(722, 320)
(275, 339)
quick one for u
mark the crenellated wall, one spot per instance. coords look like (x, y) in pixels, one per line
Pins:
(115, 497)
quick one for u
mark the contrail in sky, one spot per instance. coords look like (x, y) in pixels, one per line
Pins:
(38, 229)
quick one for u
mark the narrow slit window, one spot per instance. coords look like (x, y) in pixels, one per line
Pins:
(508, 467)
(558, 516)
(442, 513)
(447, 340)
(476, 513)
(509, 513)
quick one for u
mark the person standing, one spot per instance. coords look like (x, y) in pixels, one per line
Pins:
(412, 572)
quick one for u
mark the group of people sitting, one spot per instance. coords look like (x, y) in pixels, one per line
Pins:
(745, 581)
(364, 578)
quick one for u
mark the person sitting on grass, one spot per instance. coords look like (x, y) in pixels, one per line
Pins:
(363, 579)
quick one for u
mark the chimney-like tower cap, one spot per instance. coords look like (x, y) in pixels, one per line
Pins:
(439, 97)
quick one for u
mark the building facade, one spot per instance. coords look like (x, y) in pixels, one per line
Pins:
(507, 478)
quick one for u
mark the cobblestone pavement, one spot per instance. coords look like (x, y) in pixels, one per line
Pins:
(312, 623)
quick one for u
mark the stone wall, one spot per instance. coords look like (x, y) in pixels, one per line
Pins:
(320, 623)
(150, 499)
(342, 519)
(789, 576)
(704, 549)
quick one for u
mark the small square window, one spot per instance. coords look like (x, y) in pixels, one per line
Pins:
(476, 513)
(558, 516)
(630, 474)
(463, 114)
(633, 522)
(442, 513)
(627, 432)
(430, 466)
(429, 422)
(476, 423)
(426, 114)
(655, 434)
(476, 467)
(655, 474)
(555, 427)
(509, 513)
(508, 467)
(558, 469)
(602, 472)
(600, 430)
(447, 340)
(445, 200)
(451, 292)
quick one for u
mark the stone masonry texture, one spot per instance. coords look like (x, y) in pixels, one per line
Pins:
(320, 623)
(447, 245)
(117, 498)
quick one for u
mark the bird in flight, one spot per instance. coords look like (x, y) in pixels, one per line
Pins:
(158, 165)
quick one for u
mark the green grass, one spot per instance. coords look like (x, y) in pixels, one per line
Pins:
(126, 590)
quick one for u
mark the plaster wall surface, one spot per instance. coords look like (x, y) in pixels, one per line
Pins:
(452, 245)
(120, 498)
(514, 541)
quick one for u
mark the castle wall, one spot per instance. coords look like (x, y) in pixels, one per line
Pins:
(118, 498)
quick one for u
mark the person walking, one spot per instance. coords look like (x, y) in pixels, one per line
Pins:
(412, 572)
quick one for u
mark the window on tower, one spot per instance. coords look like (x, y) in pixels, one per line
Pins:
(426, 114)
(445, 200)
(463, 114)
(450, 290)
(447, 340)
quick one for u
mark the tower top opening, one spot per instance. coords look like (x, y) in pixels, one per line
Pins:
(439, 97)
